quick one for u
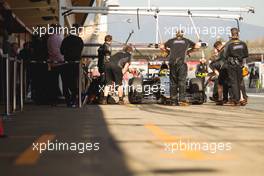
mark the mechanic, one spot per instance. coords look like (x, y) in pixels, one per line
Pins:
(104, 54)
(178, 48)
(220, 92)
(201, 69)
(71, 48)
(201, 72)
(114, 71)
(163, 69)
(235, 52)
(213, 65)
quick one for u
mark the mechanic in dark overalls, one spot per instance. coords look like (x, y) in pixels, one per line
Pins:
(215, 67)
(234, 53)
(104, 54)
(201, 69)
(201, 72)
(220, 92)
(114, 71)
(178, 48)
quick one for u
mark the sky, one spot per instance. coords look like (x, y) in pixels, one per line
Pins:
(255, 19)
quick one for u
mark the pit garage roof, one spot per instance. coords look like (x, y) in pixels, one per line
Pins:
(33, 13)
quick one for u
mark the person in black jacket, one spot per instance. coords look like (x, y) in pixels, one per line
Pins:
(178, 48)
(235, 52)
(71, 48)
(26, 55)
(104, 54)
(114, 71)
(220, 92)
(201, 69)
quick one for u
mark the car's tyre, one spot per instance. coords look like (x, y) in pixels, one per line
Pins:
(198, 98)
(135, 93)
(196, 85)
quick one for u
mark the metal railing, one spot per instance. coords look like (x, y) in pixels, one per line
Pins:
(14, 72)
(11, 84)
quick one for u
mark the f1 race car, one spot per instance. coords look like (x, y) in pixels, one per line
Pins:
(157, 89)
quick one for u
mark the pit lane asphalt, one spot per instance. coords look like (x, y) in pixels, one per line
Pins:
(132, 140)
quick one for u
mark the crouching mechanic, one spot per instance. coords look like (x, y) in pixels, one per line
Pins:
(201, 69)
(114, 71)
(178, 48)
(220, 69)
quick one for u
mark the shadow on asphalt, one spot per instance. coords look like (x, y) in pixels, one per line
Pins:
(86, 125)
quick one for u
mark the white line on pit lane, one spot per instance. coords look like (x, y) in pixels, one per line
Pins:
(256, 95)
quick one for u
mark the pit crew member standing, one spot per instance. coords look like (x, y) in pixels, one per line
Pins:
(104, 54)
(178, 48)
(71, 48)
(235, 52)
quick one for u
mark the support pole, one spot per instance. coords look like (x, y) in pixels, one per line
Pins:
(61, 17)
(151, 13)
(14, 84)
(25, 82)
(21, 85)
(149, 5)
(196, 32)
(152, 8)
(238, 24)
(80, 86)
(7, 87)
(157, 28)
(195, 28)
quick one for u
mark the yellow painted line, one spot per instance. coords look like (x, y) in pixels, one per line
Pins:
(167, 138)
(194, 155)
(214, 157)
(30, 156)
(160, 134)
(131, 105)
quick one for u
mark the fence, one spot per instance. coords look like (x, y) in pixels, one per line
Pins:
(11, 68)
(14, 73)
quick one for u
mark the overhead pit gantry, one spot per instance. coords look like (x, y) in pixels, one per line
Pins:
(232, 13)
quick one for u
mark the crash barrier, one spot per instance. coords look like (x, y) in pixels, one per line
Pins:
(67, 62)
(12, 76)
